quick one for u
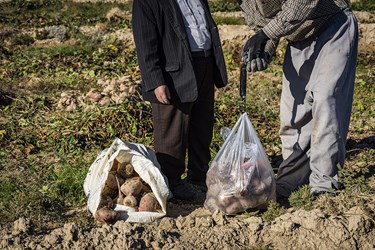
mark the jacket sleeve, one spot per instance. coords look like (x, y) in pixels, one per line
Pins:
(293, 13)
(147, 44)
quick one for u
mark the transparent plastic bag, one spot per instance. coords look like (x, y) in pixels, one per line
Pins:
(240, 176)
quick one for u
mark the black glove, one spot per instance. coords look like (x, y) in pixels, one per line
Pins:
(253, 52)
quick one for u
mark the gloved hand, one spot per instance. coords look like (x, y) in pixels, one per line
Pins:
(253, 54)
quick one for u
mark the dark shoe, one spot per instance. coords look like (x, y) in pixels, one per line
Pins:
(317, 193)
(198, 181)
(283, 201)
(201, 184)
(181, 191)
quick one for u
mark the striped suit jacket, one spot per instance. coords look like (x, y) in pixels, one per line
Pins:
(163, 50)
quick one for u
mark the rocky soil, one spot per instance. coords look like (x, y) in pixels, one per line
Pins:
(190, 225)
(196, 228)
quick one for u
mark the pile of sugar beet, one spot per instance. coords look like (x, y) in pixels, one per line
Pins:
(125, 187)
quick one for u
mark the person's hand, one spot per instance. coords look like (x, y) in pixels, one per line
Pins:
(257, 64)
(253, 54)
(162, 94)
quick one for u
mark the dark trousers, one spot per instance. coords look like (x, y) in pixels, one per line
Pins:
(181, 127)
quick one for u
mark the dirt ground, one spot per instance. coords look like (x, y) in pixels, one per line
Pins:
(191, 226)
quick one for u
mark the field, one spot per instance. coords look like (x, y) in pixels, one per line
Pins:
(56, 55)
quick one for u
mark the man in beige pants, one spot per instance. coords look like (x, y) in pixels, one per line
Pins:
(318, 80)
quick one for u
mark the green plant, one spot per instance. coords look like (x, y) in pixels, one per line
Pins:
(22, 39)
(363, 5)
(225, 6)
(41, 13)
(250, 213)
(7, 190)
(273, 211)
(66, 182)
(354, 179)
(302, 198)
(229, 20)
(34, 4)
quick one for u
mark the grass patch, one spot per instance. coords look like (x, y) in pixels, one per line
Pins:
(352, 179)
(302, 198)
(345, 200)
(363, 5)
(68, 66)
(40, 13)
(229, 20)
(48, 61)
(363, 102)
(8, 189)
(66, 180)
(274, 210)
(224, 6)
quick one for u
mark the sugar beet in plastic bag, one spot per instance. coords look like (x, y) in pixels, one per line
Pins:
(240, 176)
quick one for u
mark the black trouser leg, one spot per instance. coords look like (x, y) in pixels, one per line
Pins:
(201, 121)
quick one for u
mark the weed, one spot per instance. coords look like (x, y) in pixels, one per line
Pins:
(36, 13)
(302, 198)
(273, 211)
(354, 179)
(345, 200)
(22, 39)
(8, 189)
(363, 5)
(229, 20)
(250, 213)
(66, 182)
(34, 4)
(224, 6)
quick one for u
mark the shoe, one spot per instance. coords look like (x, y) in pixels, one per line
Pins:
(181, 191)
(317, 193)
(201, 184)
(283, 201)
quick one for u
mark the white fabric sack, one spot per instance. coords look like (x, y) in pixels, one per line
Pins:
(145, 164)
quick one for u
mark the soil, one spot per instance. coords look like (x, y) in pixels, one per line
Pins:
(188, 225)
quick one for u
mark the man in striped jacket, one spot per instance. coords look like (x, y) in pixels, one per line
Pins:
(318, 81)
(181, 61)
